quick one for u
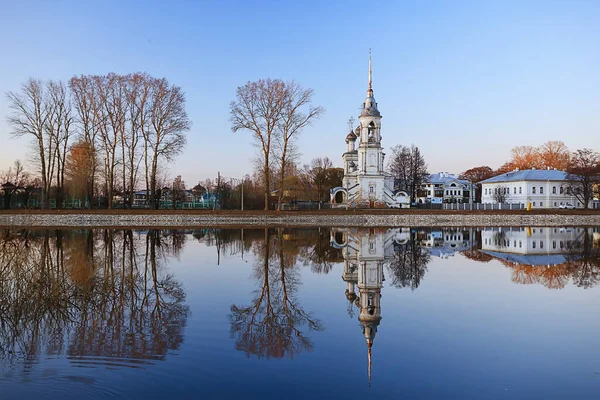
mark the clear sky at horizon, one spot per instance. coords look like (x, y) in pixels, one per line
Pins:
(464, 81)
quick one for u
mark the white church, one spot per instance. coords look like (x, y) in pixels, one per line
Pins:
(365, 183)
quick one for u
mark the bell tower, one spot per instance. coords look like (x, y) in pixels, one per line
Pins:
(370, 154)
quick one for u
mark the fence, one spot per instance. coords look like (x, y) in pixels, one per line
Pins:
(483, 206)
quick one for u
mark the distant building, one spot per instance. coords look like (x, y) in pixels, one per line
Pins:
(543, 188)
(445, 187)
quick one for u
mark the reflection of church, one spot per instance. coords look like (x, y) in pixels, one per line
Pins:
(365, 253)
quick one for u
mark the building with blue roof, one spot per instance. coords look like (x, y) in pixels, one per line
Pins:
(445, 187)
(543, 188)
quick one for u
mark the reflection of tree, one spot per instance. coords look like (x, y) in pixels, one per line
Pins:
(101, 294)
(272, 325)
(409, 263)
(318, 252)
(581, 265)
(586, 257)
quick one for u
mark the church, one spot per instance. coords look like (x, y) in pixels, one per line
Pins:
(365, 183)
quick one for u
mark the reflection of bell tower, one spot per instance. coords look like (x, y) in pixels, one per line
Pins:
(364, 252)
(370, 278)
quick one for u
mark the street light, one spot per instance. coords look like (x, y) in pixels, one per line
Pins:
(243, 180)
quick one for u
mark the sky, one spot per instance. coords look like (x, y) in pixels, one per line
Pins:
(463, 81)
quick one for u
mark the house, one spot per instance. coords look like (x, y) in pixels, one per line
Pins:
(543, 188)
(445, 187)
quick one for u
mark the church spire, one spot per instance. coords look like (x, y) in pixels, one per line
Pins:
(370, 90)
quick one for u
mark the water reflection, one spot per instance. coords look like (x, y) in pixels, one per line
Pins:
(109, 299)
(272, 325)
(547, 256)
(103, 298)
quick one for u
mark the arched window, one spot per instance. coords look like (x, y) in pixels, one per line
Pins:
(553, 189)
(371, 130)
(561, 190)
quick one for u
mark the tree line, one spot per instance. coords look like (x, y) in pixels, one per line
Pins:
(102, 133)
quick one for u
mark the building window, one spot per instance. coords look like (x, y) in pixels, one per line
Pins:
(515, 243)
(568, 190)
(541, 204)
(541, 244)
(534, 203)
(533, 244)
(520, 244)
(515, 190)
(554, 244)
(561, 190)
(533, 190)
(520, 190)
(541, 190)
(371, 189)
(486, 191)
(553, 189)
(554, 204)
(561, 244)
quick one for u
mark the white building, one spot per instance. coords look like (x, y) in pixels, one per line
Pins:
(365, 183)
(543, 188)
(445, 187)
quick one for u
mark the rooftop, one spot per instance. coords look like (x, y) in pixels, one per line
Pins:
(445, 177)
(529, 175)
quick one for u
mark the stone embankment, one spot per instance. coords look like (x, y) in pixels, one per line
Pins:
(294, 219)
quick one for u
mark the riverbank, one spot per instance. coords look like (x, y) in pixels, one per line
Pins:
(167, 218)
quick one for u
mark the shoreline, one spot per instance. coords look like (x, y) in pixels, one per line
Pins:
(313, 218)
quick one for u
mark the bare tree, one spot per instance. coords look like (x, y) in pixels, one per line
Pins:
(81, 90)
(28, 118)
(59, 127)
(294, 118)
(501, 194)
(584, 175)
(178, 191)
(409, 168)
(258, 108)
(168, 122)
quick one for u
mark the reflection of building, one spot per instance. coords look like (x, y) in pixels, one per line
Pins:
(445, 243)
(536, 244)
(365, 253)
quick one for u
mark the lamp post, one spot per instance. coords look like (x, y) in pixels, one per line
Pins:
(242, 199)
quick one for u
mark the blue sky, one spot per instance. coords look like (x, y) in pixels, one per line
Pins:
(464, 81)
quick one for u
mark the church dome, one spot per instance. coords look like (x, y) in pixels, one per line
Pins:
(351, 137)
(350, 296)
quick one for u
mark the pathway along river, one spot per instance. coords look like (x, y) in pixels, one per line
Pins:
(300, 313)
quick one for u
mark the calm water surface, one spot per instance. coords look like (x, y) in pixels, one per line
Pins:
(301, 313)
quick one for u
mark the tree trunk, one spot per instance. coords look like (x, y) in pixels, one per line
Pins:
(267, 183)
